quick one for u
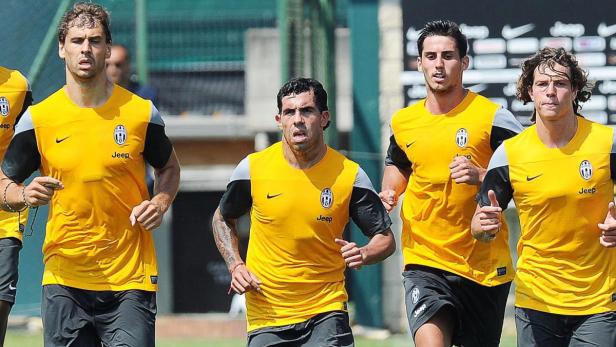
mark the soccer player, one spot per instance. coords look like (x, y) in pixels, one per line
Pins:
(15, 97)
(300, 194)
(91, 140)
(560, 173)
(456, 288)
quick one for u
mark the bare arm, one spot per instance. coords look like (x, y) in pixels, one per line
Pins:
(394, 184)
(379, 247)
(149, 213)
(225, 235)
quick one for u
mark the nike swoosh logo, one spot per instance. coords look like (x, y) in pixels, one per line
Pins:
(606, 30)
(410, 144)
(273, 196)
(62, 139)
(529, 178)
(511, 33)
(11, 287)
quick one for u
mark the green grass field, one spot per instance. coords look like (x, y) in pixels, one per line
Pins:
(24, 339)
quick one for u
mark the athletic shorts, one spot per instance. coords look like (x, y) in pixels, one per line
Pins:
(477, 310)
(84, 318)
(329, 329)
(9, 258)
(537, 328)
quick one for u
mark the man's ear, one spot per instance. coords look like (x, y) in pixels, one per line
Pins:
(529, 90)
(61, 50)
(324, 118)
(465, 62)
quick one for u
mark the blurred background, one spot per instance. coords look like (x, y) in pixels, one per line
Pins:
(215, 68)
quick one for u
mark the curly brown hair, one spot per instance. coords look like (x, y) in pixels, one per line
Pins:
(84, 15)
(546, 58)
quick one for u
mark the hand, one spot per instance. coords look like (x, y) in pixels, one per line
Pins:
(487, 220)
(148, 214)
(463, 171)
(242, 280)
(40, 190)
(608, 227)
(389, 199)
(353, 256)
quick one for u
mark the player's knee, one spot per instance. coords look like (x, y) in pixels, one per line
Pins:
(438, 330)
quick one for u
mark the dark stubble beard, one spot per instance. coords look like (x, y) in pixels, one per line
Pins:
(445, 90)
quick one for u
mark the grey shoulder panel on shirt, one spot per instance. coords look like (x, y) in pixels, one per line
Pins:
(155, 117)
(242, 171)
(499, 158)
(506, 120)
(25, 123)
(362, 180)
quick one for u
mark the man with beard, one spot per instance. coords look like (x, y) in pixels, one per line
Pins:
(300, 194)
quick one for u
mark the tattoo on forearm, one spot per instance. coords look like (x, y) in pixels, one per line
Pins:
(225, 235)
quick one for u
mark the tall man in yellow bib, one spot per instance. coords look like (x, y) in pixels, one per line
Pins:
(91, 140)
(15, 97)
(560, 172)
(300, 194)
(456, 287)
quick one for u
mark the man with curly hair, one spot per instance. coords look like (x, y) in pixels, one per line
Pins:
(560, 172)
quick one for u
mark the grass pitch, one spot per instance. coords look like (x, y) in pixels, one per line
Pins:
(24, 339)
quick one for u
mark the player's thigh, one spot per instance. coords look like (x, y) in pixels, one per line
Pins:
(330, 329)
(9, 258)
(482, 309)
(427, 294)
(128, 320)
(66, 321)
(540, 329)
(595, 330)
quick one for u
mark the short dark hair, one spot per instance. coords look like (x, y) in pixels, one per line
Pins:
(301, 85)
(443, 28)
(546, 58)
(84, 14)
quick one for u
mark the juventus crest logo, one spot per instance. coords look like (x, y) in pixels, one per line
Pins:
(461, 137)
(585, 170)
(4, 106)
(119, 134)
(327, 198)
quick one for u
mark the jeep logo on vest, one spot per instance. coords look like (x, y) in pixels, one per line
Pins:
(119, 134)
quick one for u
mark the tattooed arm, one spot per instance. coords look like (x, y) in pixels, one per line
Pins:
(225, 235)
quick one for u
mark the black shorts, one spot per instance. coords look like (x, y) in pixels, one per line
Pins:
(329, 329)
(478, 310)
(9, 258)
(79, 317)
(537, 328)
